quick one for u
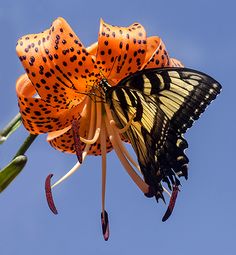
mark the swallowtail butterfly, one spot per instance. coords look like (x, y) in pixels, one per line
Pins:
(165, 103)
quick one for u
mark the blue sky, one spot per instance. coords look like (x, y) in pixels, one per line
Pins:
(199, 33)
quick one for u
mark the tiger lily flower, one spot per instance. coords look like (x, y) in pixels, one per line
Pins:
(59, 93)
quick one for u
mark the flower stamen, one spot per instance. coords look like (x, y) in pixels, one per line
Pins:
(171, 203)
(98, 112)
(94, 112)
(48, 192)
(72, 170)
(93, 140)
(113, 124)
(125, 128)
(143, 186)
(105, 225)
(104, 215)
(126, 153)
(77, 142)
(103, 152)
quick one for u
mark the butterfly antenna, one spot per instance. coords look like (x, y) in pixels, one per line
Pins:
(93, 95)
(112, 66)
(102, 75)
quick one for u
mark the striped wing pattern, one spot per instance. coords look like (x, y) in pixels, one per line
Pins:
(165, 103)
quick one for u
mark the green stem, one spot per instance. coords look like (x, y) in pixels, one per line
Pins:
(9, 173)
(10, 128)
(7, 129)
(24, 147)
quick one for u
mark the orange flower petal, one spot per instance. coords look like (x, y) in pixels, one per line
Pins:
(157, 55)
(121, 50)
(37, 115)
(57, 63)
(92, 49)
(175, 63)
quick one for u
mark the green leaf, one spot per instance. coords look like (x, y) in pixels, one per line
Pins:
(9, 173)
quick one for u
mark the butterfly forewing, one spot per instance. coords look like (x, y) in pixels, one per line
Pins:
(127, 103)
(182, 93)
(165, 103)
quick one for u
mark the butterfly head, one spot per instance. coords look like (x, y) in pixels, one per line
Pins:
(105, 86)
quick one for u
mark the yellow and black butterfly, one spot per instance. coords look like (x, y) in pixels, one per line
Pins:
(165, 102)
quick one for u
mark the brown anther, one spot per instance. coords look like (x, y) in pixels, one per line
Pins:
(49, 194)
(105, 225)
(171, 203)
(77, 142)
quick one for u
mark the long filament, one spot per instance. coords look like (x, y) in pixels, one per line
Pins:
(87, 146)
(126, 153)
(126, 127)
(120, 143)
(103, 152)
(144, 187)
(93, 140)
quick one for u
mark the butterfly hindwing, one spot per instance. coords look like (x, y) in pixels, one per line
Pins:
(165, 103)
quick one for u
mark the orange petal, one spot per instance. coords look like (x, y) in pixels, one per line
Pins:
(57, 63)
(157, 55)
(121, 50)
(37, 115)
(92, 49)
(175, 63)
